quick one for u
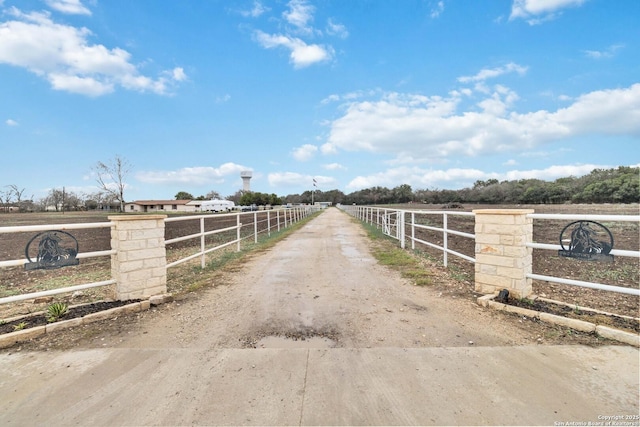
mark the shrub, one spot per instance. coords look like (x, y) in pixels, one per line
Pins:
(56, 310)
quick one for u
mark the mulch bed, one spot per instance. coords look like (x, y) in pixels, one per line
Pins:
(74, 312)
(577, 313)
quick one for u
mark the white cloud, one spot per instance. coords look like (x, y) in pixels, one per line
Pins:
(71, 7)
(287, 179)
(351, 96)
(552, 172)
(178, 74)
(63, 55)
(490, 73)
(11, 122)
(458, 178)
(334, 166)
(299, 14)
(416, 126)
(538, 11)
(419, 178)
(198, 175)
(603, 54)
(437, 10)
(305, 152)
(296, 30)
(302, 54)
(257, 10)
(335, 29)
(222, 99)
(298, 180)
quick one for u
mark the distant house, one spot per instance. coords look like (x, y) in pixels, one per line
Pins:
(195, 205)
(162, 206)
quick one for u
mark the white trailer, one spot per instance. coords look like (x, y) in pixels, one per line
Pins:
(217, 206)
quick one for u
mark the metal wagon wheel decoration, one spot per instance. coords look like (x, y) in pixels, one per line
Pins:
(55, 249)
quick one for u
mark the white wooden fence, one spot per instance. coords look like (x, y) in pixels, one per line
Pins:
(260, 223)
(405, 223)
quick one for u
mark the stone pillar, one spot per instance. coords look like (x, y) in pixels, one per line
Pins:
(139, 264)
(502, 258)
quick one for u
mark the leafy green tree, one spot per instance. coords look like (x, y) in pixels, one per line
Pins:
(402, 194)
(183, 195)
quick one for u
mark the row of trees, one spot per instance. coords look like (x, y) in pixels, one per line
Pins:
(239, 198)
(110, 177)
(619, 185)
(59, 200)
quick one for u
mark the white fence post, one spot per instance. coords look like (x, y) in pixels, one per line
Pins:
(238, 234)
(255, 227)
(203, 246)
(401, 230)
(413, 230)
(445, 238)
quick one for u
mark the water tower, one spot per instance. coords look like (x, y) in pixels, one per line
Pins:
(246, 180)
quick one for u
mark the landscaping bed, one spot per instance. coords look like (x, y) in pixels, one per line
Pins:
(40, 318)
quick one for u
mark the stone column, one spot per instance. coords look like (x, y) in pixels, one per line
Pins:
(139, 264)
(502, 258)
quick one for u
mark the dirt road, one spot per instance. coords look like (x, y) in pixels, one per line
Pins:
(313, 332)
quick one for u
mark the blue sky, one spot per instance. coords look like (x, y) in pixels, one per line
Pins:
(354, 94)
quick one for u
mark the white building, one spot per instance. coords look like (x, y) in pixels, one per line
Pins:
(162, 206)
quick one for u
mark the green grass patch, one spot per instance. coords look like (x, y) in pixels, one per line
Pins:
(386, 252)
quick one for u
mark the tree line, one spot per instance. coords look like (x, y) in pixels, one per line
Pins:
(617, 185)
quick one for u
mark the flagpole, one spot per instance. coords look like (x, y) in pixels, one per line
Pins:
(313, 192)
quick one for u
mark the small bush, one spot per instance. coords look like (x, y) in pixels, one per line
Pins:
(20, 326)
(56, 310)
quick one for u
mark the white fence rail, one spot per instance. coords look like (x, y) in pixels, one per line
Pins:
(393, 223)
(401, 230)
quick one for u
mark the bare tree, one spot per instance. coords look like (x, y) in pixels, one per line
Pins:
(111, 178)
(5, 198)
(213, 195)
(18, 195)
(55, 198)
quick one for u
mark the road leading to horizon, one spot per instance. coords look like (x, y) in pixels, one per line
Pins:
(315, 332)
